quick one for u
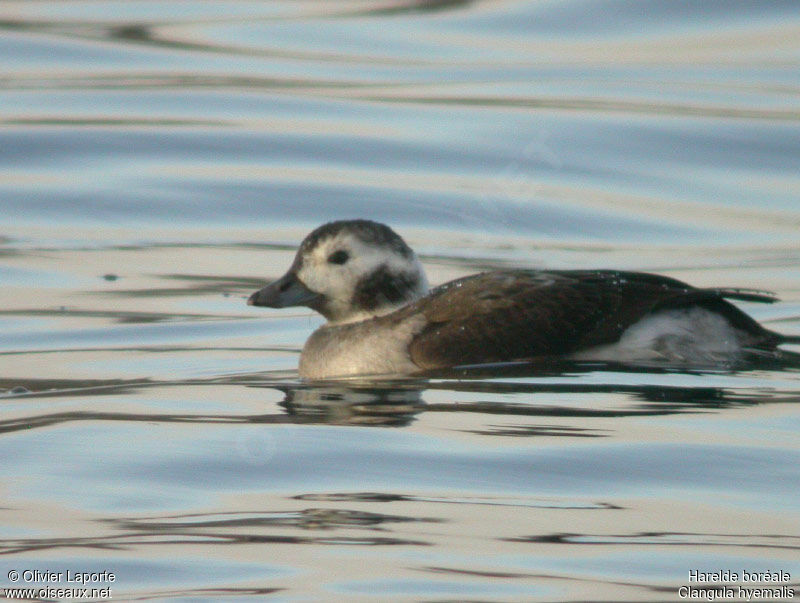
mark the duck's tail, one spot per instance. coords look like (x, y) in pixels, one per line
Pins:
(751, 295)
(755, 295)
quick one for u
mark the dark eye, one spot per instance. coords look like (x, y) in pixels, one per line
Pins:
(339, 257)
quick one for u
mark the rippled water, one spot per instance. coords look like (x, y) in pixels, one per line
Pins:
(161, 160)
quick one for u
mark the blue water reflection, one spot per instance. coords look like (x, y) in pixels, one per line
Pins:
(159, 161)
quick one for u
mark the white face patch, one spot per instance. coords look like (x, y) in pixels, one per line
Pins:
(322, 271)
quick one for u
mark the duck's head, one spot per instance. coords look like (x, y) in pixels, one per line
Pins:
(347, 271)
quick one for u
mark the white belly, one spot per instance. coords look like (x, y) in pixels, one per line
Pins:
(686, 335)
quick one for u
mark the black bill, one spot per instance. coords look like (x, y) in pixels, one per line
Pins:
(286, 291)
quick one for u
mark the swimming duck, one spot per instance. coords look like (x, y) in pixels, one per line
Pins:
(382, 318)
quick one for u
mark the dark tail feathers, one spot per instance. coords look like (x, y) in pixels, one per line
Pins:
(751, 295)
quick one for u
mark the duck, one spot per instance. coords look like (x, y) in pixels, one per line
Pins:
(383, 319)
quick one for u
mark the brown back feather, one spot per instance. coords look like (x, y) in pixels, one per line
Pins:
(517, 315)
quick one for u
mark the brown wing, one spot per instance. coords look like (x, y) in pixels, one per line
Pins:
(515, 315)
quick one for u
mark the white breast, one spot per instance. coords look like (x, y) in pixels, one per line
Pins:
(364, 348)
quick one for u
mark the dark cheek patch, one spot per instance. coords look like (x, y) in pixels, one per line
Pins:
(383, 287)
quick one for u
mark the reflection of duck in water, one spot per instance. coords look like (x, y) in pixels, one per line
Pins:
(368, 283)
(394, 407)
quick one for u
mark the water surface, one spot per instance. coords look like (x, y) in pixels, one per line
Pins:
(160, 161)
